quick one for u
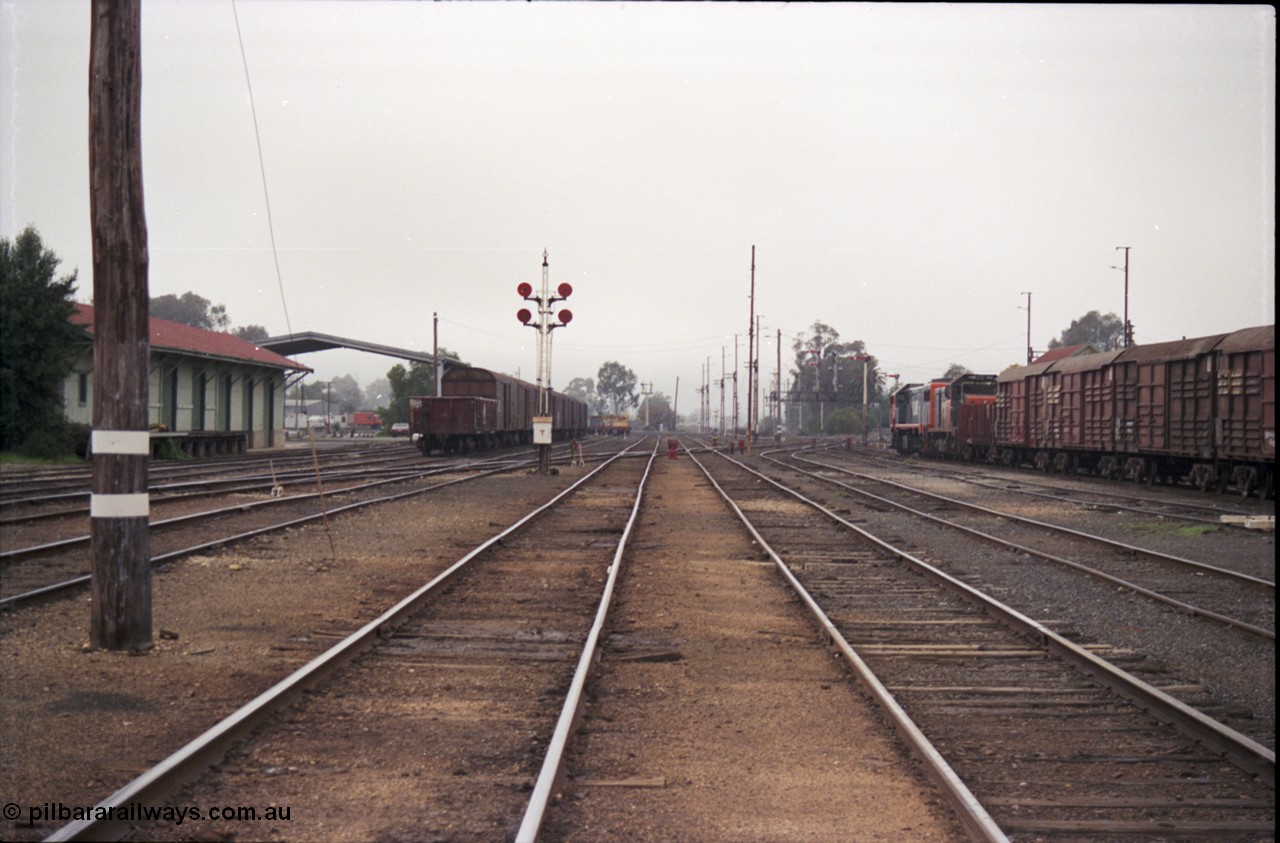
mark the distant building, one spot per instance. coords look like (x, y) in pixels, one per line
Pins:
(210, 392)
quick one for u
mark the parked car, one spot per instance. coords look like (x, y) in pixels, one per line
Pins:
(400, 429)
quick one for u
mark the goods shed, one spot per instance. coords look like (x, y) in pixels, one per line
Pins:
(209, 392)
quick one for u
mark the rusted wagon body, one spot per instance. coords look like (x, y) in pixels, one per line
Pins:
(1245, 405)
(479, 409)
(1201, 410)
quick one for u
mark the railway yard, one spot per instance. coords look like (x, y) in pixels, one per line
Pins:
(805, 642)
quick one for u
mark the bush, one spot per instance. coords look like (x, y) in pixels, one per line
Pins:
(60, 439)
(171, 450)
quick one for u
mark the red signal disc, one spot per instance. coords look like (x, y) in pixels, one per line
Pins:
(524, 315)
(564, 290)
(566, 316)
(525, 289)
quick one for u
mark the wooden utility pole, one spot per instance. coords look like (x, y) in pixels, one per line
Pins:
(120, 508)
(675, 406)
(777, 389)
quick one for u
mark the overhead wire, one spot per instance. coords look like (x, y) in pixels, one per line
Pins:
(262, 167)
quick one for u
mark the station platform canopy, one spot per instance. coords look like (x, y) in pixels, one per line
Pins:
(289, 344)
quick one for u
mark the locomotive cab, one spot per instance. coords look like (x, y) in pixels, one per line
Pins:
(908, 409)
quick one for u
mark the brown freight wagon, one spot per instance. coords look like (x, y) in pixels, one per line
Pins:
(1201, 409)
(453, 423)
(461, 420)
(1086, 424)
(1156, 389)
(1245, 411)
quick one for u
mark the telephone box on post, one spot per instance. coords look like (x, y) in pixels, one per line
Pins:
(542, 430)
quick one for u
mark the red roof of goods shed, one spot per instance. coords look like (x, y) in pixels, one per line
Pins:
(174, 336)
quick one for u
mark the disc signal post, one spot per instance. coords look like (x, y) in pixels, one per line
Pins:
(544, 323)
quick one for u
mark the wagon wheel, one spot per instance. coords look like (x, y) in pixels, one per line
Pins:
(1248, 480)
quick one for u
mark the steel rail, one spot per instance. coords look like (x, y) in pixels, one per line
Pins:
(987, 468)
(504, 464)
(1047, 493)
(249, 484)
(20, 553)
(210, 474)
(1182, 606)
(297, 472)
(161, 559)
(552, 771)
(206, 749)
(1241, 750)
(53, 589)
(1118, 500)
(973, 815)
(1257, 582)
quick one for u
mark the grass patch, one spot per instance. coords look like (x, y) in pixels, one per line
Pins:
(1169, 528)
(16, 460)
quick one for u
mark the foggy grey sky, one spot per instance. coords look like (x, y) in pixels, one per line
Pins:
(904, 171)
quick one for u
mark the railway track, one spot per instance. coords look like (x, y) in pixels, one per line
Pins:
(29, 501)
(1223, 594)
(437, 730)
(1054, 739)
(1022, 718)
(1228, 661)
(454, 672)
(1175, 502)
(49, 568)
(23, 489)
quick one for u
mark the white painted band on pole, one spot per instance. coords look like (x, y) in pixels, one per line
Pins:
(120, 506)
(136, 442)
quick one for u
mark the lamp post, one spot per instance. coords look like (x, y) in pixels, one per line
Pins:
(1128, 328)
(864, 359)
(543, 421)
(1030, 353)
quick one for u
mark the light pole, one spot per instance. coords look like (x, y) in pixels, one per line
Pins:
(1128, 328)
(1030, 353)
(864, 359)
(435, 352)
(543, 421)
